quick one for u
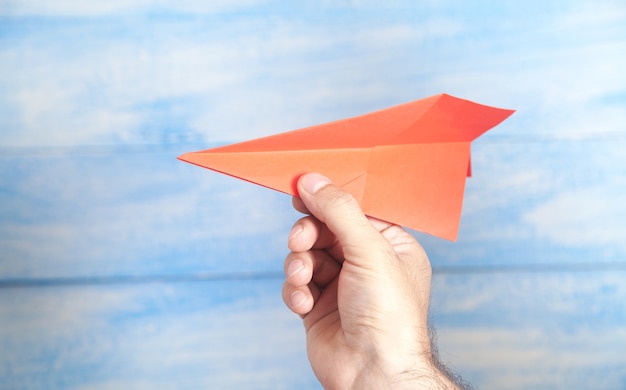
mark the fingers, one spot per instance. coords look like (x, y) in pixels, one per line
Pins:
(317, 266)
(378, 224)
(300, 299)
(341, 213)
(299, 205)
(309, 233)
(307, 274)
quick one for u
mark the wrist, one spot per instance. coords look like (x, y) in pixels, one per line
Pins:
(422, 373)
(423, 377)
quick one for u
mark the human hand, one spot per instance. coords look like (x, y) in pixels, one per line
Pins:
(362, 287)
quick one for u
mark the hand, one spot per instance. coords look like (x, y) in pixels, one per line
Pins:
(362, 287)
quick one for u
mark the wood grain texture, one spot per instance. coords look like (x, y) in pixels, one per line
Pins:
(121, 267)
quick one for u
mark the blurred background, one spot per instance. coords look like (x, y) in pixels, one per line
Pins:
(121, 267)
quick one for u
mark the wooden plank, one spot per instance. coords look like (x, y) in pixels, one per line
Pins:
(180, 335)
(141, 212)
(498, 330)
(533, 330)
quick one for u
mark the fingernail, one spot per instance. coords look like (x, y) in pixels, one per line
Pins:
(294, 267)
(312, 182)
(295, 230)
(297, 298)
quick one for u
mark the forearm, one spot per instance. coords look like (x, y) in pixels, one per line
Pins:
(449, 379)
(424, 377)
(424, 371)
(419, 372)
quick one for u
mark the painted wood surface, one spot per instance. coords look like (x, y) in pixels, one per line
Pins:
(121, 267)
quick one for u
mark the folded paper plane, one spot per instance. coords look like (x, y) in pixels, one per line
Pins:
(405, 164)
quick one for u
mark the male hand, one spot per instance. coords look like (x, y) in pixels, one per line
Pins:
(362, 287)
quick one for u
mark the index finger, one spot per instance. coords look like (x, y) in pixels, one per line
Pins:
(299, 205)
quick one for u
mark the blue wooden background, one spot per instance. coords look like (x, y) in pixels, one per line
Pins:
(121, 267)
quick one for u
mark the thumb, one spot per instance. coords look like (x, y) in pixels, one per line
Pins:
(341, 213)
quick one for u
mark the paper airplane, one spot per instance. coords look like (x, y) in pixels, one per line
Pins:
(405, 164)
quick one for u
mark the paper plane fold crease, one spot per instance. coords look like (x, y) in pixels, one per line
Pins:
(405, 164)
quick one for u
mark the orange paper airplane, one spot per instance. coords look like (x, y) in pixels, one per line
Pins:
(405, 164)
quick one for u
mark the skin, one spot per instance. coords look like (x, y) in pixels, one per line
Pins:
(362, 288)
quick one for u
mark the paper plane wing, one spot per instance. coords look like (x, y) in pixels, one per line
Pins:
(406, 164)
